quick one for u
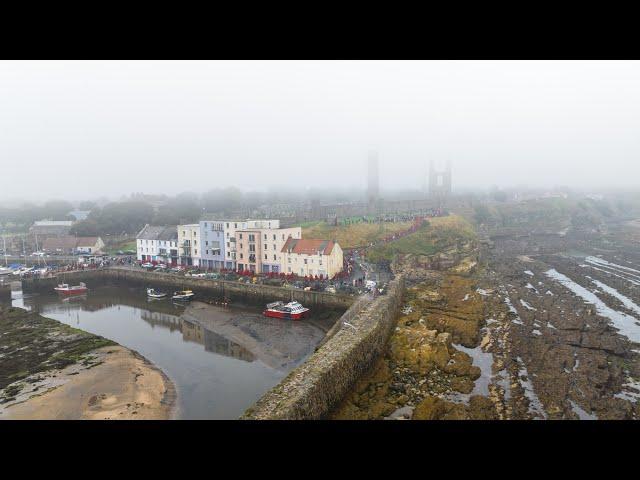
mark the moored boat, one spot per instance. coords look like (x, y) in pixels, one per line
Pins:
(66, 289)
(183, 295)
(152, 293)
(290, 311)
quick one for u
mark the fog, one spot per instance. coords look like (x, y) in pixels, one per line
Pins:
(78, 129)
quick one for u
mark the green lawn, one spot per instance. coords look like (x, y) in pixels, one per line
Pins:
(124, 246)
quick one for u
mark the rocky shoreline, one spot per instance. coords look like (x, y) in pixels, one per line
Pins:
(512, 336)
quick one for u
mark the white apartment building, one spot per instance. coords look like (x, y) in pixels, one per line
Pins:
(147, 243)
(190, 245)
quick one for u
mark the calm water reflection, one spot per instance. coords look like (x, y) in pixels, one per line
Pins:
(220, 360)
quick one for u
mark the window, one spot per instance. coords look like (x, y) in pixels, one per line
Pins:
(305, 261)
(241, 256)
(274, 258)
(228, 244)
(274, 246)
(320, 261)
(227, 227)
(206, 243)
(289, 269)
(252, 238)
(252, 247)
(265, 236)
(289, 261)
(274, 237)
(240, 246)
(235, 225)
(240, 236)
(265, 256)
(228, 254)
(265, 246)
(195, 251)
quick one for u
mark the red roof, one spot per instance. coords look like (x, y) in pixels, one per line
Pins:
(308, 246)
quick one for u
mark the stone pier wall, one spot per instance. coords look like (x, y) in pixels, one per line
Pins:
(312, 390)
(5, 292)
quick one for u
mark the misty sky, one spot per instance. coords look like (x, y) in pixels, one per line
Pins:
(80, 129)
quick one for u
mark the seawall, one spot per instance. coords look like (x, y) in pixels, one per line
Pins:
(312, 390)
(5, 292)
(242, 292)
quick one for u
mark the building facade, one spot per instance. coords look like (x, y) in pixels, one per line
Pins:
(189, 244)
(259, 249)
(168, 250)
(89, 245)
(212, 248)
(310, 257)
(147, 246)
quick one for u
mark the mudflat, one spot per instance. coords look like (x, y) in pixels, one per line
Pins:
(122, 386)
(52, 371)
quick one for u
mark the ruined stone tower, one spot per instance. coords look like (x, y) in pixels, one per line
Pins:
(439, 183)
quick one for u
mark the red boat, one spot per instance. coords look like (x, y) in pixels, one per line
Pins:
(65, 289)
(289, 311)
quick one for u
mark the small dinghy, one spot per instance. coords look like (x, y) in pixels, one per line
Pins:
(183, 295)
(152, 293)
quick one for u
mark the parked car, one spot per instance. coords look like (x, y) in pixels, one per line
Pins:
(147, 265)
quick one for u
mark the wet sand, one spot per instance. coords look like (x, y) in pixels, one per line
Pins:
(118, 385)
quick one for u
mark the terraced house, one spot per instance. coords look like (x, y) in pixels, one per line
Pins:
(310, 257)
(190, 246)
(212, 248)
(157, 243)
(260, 249)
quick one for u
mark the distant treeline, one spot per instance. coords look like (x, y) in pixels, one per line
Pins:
(130, 214)
(20, 218)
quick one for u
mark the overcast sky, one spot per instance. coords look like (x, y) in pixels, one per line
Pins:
(83, 129)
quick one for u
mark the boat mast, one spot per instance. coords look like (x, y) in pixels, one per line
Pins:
(4, 248)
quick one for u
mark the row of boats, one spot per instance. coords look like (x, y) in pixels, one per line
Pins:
(288, 311)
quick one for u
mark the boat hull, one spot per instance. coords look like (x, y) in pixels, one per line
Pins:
(72, 291)
(285, 315)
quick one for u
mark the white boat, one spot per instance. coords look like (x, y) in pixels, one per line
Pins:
(152, 293)
(66, 289)
(289, 311)
(183, 295)
(5, 271)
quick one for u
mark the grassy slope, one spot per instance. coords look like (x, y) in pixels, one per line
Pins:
(349, 236)
(442, 232)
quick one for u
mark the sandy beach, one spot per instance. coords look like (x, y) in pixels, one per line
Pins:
(119, 384)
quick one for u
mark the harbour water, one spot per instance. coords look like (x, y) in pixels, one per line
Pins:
(221, 360)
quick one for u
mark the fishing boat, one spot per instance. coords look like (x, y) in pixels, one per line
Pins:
(289, 311)
(66, 289)
(152, 293)
(183, 295)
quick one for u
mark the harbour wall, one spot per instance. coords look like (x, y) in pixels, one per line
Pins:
(5, 292)
(204, 287)
(314, 389)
